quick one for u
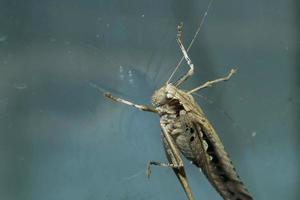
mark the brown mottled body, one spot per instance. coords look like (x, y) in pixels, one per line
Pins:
(197, 140)
(186, 131)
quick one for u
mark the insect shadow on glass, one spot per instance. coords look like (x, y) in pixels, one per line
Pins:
(186, 131)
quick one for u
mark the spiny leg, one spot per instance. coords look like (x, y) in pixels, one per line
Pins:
(175, 162)
(184, 52)
(138, 106)
(173, 155)
(211, 83)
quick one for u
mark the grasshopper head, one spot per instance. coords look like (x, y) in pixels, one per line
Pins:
(163, 95)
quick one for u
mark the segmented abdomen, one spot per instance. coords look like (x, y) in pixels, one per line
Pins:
(198, 144)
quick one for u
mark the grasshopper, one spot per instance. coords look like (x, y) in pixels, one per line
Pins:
(186, 131)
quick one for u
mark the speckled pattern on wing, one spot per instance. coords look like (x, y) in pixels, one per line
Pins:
(197, 140)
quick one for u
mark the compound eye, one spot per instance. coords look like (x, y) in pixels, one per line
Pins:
(169, 96)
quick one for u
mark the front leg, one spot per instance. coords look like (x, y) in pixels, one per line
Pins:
(138, 106)
(186, 57)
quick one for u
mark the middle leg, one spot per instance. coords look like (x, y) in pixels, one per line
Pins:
(211, 83)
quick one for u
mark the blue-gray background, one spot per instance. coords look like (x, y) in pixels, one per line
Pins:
(61, 139)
